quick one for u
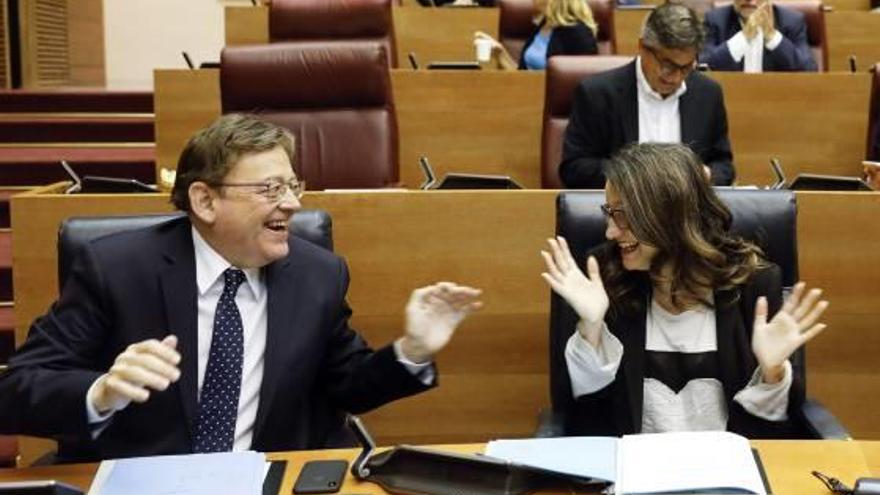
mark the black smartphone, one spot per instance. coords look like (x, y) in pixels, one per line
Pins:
(320, 477)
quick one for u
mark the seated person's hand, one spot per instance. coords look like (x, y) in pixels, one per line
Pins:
(432, 315)
(585, 293)
(872, 174)
(497, 47)
(143, 366)
(793, 326)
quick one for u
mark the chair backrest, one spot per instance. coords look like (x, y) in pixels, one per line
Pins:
(333, 20)
(814, 14)
(335, 97)
(312, 225)
(516, 25)
(767, 218)
(563, 76)
(873, 152)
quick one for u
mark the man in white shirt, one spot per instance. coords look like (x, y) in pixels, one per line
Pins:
(218, 330)
(656, 98)
(756, 36)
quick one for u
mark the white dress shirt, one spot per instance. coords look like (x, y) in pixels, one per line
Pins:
(752, 51)
(659, 119)
(251, 299)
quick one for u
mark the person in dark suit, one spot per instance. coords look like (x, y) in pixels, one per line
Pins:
(679, 325)
(216, 331)
(656, 98)
(756, 36)
(563, 27)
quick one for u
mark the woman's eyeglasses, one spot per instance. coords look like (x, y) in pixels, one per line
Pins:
(616, 214)
(272, 190)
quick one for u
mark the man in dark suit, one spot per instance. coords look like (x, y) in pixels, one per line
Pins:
(756, 36)
(217, 331)
(656, 98)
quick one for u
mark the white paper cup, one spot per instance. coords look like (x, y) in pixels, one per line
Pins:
(483, 49)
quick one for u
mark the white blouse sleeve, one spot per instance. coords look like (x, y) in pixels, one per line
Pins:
(767, 400)
(592, 369)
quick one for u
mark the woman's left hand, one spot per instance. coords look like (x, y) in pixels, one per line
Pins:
(793, 326)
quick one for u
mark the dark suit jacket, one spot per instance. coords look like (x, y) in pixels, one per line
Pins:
(137, 285)
(576, 39)
(792, 54)
(605, 117)
(617, 409)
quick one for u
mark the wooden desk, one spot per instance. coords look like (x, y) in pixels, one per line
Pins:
(495, 372)
(431, 34)
(814, 123)
(490, 121)
(787, 463)
(852, 33)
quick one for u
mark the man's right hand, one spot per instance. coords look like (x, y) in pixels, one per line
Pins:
(143, 366)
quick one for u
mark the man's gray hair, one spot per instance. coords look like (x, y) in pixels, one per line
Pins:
(675, 26)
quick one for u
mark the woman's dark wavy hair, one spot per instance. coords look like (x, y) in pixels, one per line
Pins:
(670, 205)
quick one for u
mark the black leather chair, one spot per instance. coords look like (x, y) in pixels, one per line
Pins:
(768, 218)
(312, 225)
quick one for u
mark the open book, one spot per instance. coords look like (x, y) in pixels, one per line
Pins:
(705, 462)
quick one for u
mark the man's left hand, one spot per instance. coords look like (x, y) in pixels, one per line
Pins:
(432, 315)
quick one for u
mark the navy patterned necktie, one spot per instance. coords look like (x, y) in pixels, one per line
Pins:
(218, 403)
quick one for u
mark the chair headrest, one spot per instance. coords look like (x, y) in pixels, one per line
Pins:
(311, 225)
(328, 19)
(341, 74)
(564, 73)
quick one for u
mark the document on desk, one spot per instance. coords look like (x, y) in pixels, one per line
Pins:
(233, 473)
(643, 464)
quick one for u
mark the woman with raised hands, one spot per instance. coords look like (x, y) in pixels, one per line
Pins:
(680, 326)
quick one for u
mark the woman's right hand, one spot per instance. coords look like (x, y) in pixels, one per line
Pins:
(584, 293)
(496, 45)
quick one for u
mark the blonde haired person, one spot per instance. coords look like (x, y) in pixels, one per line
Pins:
(562, 27)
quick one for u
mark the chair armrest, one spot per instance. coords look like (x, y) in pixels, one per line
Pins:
(550, 424)
(821, 423)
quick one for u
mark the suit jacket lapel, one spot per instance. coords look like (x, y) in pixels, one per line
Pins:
(180, 293)
(629, 104)
(685, 112)
(282, 287)
(633, 340)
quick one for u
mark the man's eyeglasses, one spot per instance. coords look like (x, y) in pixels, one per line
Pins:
(668, 67)
(616, 214)
(272, 190)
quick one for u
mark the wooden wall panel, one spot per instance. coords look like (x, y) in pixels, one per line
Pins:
(86, 48)
(5, 76)
(852, 33)
(44, 43)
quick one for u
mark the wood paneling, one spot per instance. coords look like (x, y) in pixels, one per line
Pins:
(5, 76)
(628, 27)
(494, 373)
(44, 43)
(441, 34)
(814, 123)
(431, 34)
(184, 102)
(486, 122)
(852, 33)
(86, 49)
(246, 25)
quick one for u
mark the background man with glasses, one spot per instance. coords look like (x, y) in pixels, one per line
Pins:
(656, 98)
(218, 330)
